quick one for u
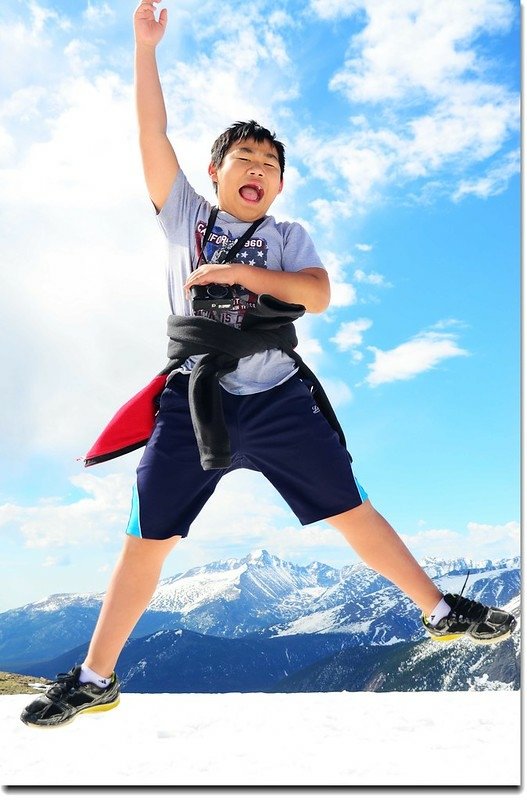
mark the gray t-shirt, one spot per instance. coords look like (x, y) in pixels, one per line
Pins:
(275, 245)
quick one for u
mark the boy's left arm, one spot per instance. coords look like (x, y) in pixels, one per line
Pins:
(309, 287)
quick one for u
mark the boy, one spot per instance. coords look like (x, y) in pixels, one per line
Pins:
(268, 271)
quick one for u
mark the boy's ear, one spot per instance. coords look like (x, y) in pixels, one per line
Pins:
(213, 172)
(281, 186)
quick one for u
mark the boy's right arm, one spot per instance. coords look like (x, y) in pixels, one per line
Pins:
(160, 163)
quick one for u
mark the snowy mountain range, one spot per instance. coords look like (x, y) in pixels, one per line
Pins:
(264, 624)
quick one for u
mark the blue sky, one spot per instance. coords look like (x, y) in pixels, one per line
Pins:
(401, 122)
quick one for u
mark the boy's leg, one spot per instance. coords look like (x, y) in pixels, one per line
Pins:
(131, 587)
(295, 447)
(287, 439)
(171, 489)
(379, 546)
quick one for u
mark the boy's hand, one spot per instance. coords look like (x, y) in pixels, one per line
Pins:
(147, 29)
(212, 273)
(308, 287)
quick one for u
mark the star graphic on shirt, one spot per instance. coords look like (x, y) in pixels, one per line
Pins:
(252, 262)
(260, 253)
(244, 254)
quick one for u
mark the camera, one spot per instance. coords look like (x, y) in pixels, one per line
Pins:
(217, 297)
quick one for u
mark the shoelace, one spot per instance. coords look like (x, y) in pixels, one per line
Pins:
(64, 682)
(469, 609)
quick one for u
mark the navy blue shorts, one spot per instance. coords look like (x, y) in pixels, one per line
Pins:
(280, 433)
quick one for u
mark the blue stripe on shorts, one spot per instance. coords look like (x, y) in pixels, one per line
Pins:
(134, 523)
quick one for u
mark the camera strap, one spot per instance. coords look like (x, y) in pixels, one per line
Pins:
(238, 244)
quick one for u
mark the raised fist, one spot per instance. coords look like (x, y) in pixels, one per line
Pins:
(149, 30)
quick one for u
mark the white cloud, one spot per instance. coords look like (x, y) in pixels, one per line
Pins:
(333, 9)
(56, 561)
(479, 542)
(280, 19)
(7, 147)
(309, 347)
(27, 54)
(493, 182)
(491, 534)
(329, 213)
(41, 16)
(82, 291)
(232, 512)
(90, 139)
(343, 293)
(81, 55)
(420, 66)
(356, 163)
(420, 354)
(349, 335)
(418, 45)
(98, 14)
(206, 93)
(470, 124)
(449, 322)
(22, 105)
(338, 391)
(365, 248)
(95, 518)
(372, 278)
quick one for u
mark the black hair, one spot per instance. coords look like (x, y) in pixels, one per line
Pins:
(239, 131)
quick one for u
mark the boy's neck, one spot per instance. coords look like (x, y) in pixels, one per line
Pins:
(238, 217)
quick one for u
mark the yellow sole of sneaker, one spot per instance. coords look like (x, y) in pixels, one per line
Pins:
(94, 710)
(105, 707)
(455, 636)
(450, 637)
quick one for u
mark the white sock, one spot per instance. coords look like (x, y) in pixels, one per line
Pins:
(441, 611)
(87, 675)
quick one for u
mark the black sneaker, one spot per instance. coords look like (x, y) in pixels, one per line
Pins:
(66, 698)
(483, 624)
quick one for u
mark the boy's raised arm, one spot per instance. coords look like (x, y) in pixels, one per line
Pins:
(160, 163)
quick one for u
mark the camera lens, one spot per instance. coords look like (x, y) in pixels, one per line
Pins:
(217, 290)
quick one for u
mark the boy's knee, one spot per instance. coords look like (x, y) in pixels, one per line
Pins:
(135, 546)
(365, 509)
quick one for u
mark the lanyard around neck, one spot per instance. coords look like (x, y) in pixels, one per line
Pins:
(237, 246)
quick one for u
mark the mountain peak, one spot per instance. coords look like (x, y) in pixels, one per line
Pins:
(259, 556)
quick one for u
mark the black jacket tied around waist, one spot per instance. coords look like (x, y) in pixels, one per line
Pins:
(268, 326)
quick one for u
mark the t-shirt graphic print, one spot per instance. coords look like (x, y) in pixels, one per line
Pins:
(253, 253)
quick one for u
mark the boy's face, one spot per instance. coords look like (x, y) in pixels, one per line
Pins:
(248, 179)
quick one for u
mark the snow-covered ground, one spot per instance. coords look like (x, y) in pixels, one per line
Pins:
(334, 739)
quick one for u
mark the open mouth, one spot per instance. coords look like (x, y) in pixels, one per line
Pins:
(252, 192)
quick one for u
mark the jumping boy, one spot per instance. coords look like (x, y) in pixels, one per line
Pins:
(266, 401)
